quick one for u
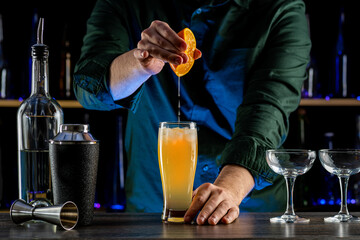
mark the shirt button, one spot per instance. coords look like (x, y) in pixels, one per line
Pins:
(205, 168)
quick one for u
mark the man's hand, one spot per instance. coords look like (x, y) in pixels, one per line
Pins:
(220, 201)
(160, 44)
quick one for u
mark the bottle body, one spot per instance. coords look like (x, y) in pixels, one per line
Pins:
(357, 140)
(65, 84)
(4, 70)
(310, 87)
(38, 120)
(340, 78)
(5, 87)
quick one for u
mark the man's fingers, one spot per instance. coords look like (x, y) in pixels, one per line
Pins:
(231, 216)
(220, 211)
(160, 34)
(197, 54)
(194, 193)
(201, 197)
(214, 207)
(166, 32)
(161, 42)
(141, 54)
(213, 204)
(160, 53)
(150, 64)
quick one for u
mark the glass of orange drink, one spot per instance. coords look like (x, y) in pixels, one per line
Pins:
(177, 152)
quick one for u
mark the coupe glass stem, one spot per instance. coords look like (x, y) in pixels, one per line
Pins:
(290, 181)
(343, 189)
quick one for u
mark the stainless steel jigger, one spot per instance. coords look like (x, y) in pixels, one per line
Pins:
(65, 215)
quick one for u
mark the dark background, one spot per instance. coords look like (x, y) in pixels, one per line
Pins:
(66, 20)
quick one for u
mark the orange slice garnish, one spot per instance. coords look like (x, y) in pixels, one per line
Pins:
(182, 69)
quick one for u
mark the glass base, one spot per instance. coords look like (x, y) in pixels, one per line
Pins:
(342, 218)
(173, 216)
(175, 220)
(289, 219)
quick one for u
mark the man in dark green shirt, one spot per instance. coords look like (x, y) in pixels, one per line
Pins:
(240, 92)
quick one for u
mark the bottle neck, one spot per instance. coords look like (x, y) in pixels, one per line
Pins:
(2, 59)
(40, 74)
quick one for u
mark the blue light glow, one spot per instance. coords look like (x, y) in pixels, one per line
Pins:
(97, 205)
(331, 202)
(327, 98)
(358, 98)
(322, 201)
(117, 207)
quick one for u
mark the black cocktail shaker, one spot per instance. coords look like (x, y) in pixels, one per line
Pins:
(74, 156)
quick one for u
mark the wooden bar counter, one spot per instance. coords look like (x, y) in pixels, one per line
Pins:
(149, 226)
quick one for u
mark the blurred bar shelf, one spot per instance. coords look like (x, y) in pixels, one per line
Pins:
(63, 103)
(332, 102)
(305, 102)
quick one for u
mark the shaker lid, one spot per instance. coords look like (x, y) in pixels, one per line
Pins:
(74, 133)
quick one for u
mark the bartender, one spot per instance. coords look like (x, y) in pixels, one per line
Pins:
(240, 93)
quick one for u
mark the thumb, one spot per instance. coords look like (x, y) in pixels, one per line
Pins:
(141, 54)
(194, 193)
(197, 54)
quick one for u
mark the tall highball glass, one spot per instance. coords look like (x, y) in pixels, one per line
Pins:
(177, 152)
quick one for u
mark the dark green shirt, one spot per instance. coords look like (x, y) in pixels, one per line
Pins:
(240, 93)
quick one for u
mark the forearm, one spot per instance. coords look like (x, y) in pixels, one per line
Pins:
(126, 75)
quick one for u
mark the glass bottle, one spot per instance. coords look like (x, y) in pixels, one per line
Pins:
(4, 70)
(310, 86)
(38, 120)
(357, 141)
(340, 85)
(65, 84)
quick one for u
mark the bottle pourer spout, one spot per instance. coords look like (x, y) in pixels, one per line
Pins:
(40, 31)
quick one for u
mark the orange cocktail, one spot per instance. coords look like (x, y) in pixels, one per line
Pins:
(177, 151)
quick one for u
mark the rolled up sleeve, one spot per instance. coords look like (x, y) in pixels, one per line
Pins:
(273, 91)
(106, 38)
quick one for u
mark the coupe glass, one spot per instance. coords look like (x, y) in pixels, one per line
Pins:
(343, 163)
(290, 163)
